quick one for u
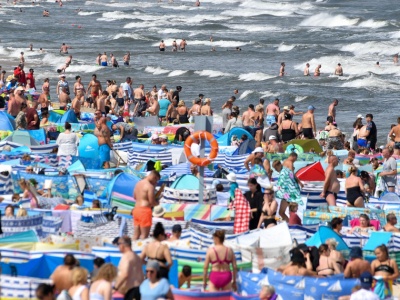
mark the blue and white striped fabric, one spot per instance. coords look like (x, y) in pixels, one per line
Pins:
(19, 287)
(126, 146)
(188, 196)
(224, 225)
(183, 169)
(200, 240)
(241, 180)
(6, 184)
(51, 225)
(12, 225)
(231, 162)
(48, 148)
(303, 233)
(394, 244)
(135, 157)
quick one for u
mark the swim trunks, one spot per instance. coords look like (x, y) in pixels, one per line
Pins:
(126, 63)
(104, 153)
(396, 145)
(330, 193)
(104, 64)
(44, 110)
(162, 49)
(308, 133)
(142, 216)
(362, 143)
(271, 119)
(94, 95)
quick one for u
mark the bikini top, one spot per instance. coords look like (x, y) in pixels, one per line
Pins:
(162, 260)
(385, 268)
(218, 261)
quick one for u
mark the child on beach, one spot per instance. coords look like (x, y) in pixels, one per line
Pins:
(185, 276)
(294, 219)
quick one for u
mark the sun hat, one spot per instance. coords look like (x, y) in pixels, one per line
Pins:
(154, 136)
(158, 211)
(231, 177)
(258, 150)
(360, 116)
(286, 108)
(272, 137)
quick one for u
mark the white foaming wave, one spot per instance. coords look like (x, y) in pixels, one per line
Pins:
(83, 68)
(373, 24)
(16, 22)
(115, 15)
(278, 6)
(256, 28)
(267, 94)
(181, 7)
(395, 35)
(88, 13)
(223, 44)
(212, 73)
(300, 98)
(168, 30)
(249, 12)
(371, 83)
(176, 73)
(285, 48)
(3, 51)
(256, 76)
(133, 4)
(156, 71)
(145, 24)
(202, 18)
(372, 47)
(328, 20)
(133, 36)
(245, 94)
(54, 60)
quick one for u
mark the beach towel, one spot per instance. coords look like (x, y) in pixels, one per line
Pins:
(288, 188)
(242, 212)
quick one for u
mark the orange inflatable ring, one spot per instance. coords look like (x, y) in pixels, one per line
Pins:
(197, 137)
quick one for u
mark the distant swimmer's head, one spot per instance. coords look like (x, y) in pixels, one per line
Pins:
(276, 101)
(94, 76)
(282, 64)
(339, 64)
(307, 64)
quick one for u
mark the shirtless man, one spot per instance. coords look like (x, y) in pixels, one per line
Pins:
(113, 61)
(182, 45)
(281, 116)
(154, 108)
(138, 93)
(130, 273)
(68, 61)
(95, 89)
(391, 222)
(13, 106)
(362, 137)
(331, 185)
(248, 116)
(307, 70)
(317, 71)
(44, 101)
(101, 102)
(174, 46)
(77, 103)
(162, 46)
(98, 59)
(282, 69)
(272, 112)
(62, 275)
(274, 146)
(332, 109)
(64, 48)
(339, 70)
(396, 59)
(103, 135)
(395, 132)
(258, 152)
(127, 58)
(144, 194)
(357, 265)
(104, 60)
(308, 123)
(22, 59)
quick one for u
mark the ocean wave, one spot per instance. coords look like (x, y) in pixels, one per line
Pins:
(328, 20)
(156, 71)
(373, 24)
(115, 16)
(268, 94)
(212, 73)
(371, 47)
(177, 73)
(257, 28)
(88, 13)
(285, 48)
(133, 36)
(256, 76)
(83, 68)
(300, 98)
(16, 22)
(371, 83)
(222, 43)
(249, 12)
(245, 94)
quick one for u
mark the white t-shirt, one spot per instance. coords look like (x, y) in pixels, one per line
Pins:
(127, 87)
(67, 143)
(389, 165)
(364, 295)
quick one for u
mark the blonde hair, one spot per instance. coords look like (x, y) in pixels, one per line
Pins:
(107, 272)
(352, 169)
(332, 242)
(22, 212)
(181, 103)
(79, 276)
(207, 100)
(23, 183)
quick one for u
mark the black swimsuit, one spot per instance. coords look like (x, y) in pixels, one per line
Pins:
(270, 220)
(353, 194)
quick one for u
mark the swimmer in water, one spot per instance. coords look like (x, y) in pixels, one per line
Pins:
(104, 60)
(282, 69)
(211, 39)
(377, 64)
(31, 47)
(174, 46)
(307, 70)
(396, 59)
(68, 61)
(113, 60)
(64, 48)
(127, 58)
(317, 71)
(98, 59)
(162, 46)
(182, 45)
(339, 70)
(197, 3)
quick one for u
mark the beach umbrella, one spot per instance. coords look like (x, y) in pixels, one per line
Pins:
(312, 172)
(7, 122)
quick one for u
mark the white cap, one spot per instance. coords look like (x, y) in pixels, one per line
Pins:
(258, 150)
(154, 136)
(231, 177)
(360, 116)
(272, 137)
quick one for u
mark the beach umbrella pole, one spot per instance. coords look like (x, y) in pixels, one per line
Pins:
(202, 123)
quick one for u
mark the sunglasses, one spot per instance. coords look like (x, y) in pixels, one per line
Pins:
(268, 193)
(150, 271)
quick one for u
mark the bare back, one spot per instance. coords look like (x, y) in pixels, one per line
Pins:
(131, 265)
(144, 193)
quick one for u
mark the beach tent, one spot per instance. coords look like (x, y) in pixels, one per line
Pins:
(306, 145)
(312, 172)
(55, 115)
(225, 140)
(120, 191)
(322, 235)
(186, 182)
(23, 138)
(69, 117)
(29, 236)
(39, 135)
(88, 146)
(76, 166)
(7, 122)
(376, 239)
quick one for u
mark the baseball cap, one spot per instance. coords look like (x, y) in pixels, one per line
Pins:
(272, 137)
(360, 116)
(62, 75)
(201, 95)
(286, 108)
(311, 107)
(154, 136)
(258, 150)
(356, 252)
(366, 280)
(177, 228)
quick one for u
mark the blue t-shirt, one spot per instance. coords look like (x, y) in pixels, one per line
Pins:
(232, 188)
(159, 291)
(164, 104)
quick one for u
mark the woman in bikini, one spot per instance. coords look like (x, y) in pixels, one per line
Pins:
(220, 257)
(269, 209)
(206, 108)
(354, 187)
(27, 194)
(182, 113)
(78, 85)
(335, 255)
(157, 251)
(327, 266)
(297, 266)
(365, 226)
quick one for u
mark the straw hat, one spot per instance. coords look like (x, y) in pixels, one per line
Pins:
(158, 211)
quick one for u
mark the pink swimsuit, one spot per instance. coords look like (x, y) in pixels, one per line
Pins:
(220, 279)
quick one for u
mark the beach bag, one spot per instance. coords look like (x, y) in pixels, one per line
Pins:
(64, 295)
